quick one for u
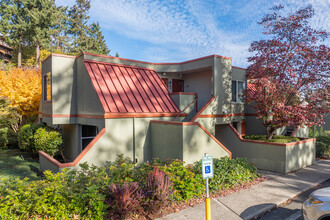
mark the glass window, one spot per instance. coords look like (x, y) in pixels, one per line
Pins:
(240, 90)
(87, 135)
(233, 91)
(47, 87)
(237, 89)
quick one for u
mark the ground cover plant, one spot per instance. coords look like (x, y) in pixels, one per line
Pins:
(275, 139)
(118, 190)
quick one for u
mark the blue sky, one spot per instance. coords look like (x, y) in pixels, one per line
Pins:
(179, 30)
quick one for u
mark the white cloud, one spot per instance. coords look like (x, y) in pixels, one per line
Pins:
(187, 29)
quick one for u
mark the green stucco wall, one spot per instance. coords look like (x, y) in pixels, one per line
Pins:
(128, 136)
(184, 142)
(196, 142)
(88, 102)
(275, 158)
(45, 164)
(200, 83)
(63, 86)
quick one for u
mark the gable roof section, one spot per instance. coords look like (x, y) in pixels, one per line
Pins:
(129, 89)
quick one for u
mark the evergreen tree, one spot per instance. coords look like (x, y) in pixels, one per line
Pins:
(117, 54)
(78, 28)
(43, 19)
(97, 44)
(59, 38)
(13, 24)
(85, 38)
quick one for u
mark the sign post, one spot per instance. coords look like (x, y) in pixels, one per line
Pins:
(207, 171)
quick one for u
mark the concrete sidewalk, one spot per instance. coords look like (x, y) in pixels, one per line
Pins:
(252, 202)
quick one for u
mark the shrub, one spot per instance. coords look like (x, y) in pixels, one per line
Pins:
(121, 170)
(54, 197)
(158, 191)
(125, 199)
(26, 137)
(36, 137)
(228, 172)
(47, 140)
(122, 189)
(8, 137)
(276, 138)
(323, 146)
(186, 183)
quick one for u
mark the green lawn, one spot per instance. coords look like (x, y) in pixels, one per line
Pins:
(15, 163)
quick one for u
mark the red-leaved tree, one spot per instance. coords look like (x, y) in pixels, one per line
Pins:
(289, 74)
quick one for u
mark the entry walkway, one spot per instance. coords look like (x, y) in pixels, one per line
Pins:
(255, 201)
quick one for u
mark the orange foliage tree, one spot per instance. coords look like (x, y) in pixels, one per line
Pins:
(23, 89)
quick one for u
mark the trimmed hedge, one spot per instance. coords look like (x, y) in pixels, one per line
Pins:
(276, 138)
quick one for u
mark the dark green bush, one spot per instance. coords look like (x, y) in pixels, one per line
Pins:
(36, 137)
(25, 137)
(8, 138)
(276, 138)
(323, 146)
(228, 172)
(186, 183)
(47, 140)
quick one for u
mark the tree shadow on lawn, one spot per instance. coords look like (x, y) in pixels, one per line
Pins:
(17, 164)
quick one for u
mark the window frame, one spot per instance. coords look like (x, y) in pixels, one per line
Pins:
(87, 137)
(236, 90)
(45, 87)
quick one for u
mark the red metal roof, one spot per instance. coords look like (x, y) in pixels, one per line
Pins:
(251, 88)
(122, 88)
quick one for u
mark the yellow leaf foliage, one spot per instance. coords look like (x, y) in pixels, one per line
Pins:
(23, 88)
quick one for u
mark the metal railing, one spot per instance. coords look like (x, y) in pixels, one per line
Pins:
(195, 100)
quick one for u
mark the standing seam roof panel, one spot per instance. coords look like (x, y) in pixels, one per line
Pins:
(102, 84)
(137, 97)
(115, 94)
(97, 87)
(158, 89)
(112, 103)
(127, 89)
(153, 91)
(118, 91)
(148, 92)
(164, 91)
(121, 89)
(141, 91)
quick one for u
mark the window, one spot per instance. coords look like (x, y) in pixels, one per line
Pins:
(165, 80)
(47, 87)
(88, 133)
(237, 88)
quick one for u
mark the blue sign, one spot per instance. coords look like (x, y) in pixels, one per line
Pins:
(207, 169)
